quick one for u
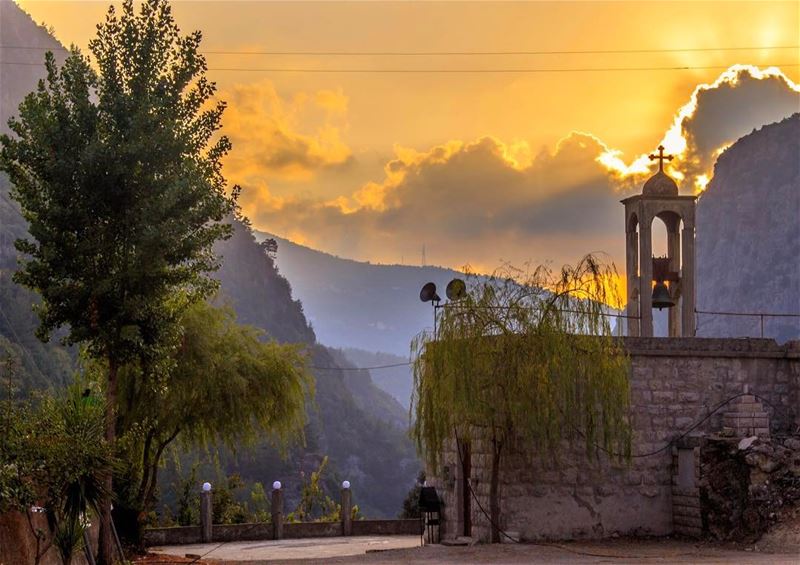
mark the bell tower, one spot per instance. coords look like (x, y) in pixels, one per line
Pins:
(673, 274)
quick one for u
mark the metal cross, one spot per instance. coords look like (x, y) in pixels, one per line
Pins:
(661, 158)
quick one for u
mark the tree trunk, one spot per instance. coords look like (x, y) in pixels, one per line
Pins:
(106, 550)
(494, 487)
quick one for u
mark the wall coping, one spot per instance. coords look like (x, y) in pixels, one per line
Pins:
(747, 348)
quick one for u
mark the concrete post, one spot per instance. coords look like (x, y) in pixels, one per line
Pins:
(646, 276)
(206, 516)
(687, 280)
(674, 254)
(347, 512)
(632, 272)
(277, 513)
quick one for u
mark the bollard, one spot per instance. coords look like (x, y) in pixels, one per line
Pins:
(347, 509)
(206, 514)
(277, 511)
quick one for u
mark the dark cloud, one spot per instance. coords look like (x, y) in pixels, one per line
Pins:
(742, 100)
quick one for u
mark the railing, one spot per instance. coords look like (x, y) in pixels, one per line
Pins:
(754, 315)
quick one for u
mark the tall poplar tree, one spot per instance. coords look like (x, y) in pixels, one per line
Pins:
(116, 167)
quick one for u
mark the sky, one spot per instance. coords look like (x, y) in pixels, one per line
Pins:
(476, 168)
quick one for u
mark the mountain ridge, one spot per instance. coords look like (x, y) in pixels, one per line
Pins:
(748, 224)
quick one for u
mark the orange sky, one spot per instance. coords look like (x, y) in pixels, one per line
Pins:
(341, 161)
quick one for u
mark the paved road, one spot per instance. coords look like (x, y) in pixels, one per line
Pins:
(405, 550)
(291, 549)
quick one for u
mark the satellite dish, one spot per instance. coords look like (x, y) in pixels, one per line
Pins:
(428, 293)
(456, 289)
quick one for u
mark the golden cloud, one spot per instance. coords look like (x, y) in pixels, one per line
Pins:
(485, 201)
(268, 136)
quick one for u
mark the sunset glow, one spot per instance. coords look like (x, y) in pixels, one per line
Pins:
(479, 166)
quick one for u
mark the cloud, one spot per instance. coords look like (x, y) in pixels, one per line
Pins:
(464, 201)
(268, 134)
(486, 200)
(742, 99)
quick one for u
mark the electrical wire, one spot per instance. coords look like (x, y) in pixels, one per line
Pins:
(465, 53)
(361, 368)
(521, 70)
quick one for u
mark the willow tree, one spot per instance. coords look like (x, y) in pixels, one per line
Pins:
(528, 357)
(115, 162)
(225, 386)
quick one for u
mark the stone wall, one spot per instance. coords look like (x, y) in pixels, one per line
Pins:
(674, 383)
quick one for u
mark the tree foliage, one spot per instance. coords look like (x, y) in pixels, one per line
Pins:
(525, 356)
(118, 173)
(53, 457)
(224, 387)
(119, 180)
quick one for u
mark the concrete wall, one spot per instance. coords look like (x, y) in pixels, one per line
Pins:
(674, 382)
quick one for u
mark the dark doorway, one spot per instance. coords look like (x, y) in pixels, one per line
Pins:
(466, 492)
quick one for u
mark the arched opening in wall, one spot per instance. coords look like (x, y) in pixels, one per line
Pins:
(659, 237)
(658, 231)
(667, 243)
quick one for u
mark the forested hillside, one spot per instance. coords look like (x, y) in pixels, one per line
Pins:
(35, 364)
(360, 428)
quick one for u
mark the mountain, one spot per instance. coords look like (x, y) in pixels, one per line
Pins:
(361, 428)
(38, 365)
(394, 376)
(358, 426)
(748, 236)
(360, 305)
(21, 68)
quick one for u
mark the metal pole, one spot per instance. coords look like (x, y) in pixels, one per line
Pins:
(762, 325)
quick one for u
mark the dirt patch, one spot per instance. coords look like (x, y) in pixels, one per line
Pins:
(749, 486)
(784, 536)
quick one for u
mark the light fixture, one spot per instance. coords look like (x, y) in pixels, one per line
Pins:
(456, 290)
(345, 485)
(428, 293)
(206, 487)
(276, 485)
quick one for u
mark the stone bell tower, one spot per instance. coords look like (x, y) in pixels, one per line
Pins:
(673, 275)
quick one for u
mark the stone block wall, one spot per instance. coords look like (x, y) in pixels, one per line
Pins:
(674, 383)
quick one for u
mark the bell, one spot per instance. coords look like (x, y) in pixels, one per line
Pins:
(661, 296)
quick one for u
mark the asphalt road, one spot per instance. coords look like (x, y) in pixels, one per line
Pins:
(405, 550)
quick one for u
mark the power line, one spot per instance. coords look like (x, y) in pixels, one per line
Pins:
(407, 363)
(468, 53)
(458, 71)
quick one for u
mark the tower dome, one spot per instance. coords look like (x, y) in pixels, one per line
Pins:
(660, 184)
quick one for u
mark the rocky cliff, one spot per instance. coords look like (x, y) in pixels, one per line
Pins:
(748, 236)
